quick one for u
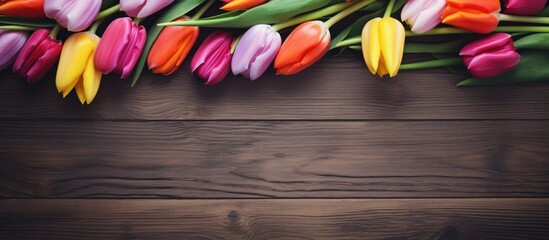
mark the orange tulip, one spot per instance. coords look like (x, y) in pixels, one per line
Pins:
(304, 46)
(472, 15)
(23, 8)
(171, 47)
(233, 5)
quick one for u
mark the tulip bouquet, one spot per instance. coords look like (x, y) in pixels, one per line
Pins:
(494, 42)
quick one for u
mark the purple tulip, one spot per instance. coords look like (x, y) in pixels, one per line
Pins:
(524, 7)
(423, 15)
(212, 60)
(256, 51)
(120, 47)
(72, 14)
(11, 43)
(37, 56)
(142, 8)
(490, 56)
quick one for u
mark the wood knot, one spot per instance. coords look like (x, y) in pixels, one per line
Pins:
(449, 232)
(233, 216)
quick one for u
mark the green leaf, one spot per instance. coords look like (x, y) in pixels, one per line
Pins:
(178, 9)
(457, 69)
(445, 47)
(274, 11)
(38, 23)
(538, 41)
(532, 68)
(356, 28)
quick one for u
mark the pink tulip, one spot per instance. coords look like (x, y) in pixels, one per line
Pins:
(72, 14)
(142, 8)
(490, 56)
(212, 60)
(423, 15)
(37, 56)
(255, 51)
(524, 7)
(120, 47)
(11, 43)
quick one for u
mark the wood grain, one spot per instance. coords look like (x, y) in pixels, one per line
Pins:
(337, 88)
(275, 219)
(282, 159)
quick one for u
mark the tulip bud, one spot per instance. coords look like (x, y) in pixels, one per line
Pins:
(72, 14)
(423, 15)
(490, 56)
(142, 8)
(524, 7)
(172, 47)
(11, 43)
(23, 8)
(383, 45)
(472, 15)
(37, 56)
(212, 60)
(120, 47)
(233, 5)
(305, 45)
(76, 67)
(255, 51)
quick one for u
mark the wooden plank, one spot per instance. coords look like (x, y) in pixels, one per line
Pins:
(275, 219)
(282, 159)
(337, 88)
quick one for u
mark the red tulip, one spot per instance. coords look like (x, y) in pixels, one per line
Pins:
(233, 5)
(23, 8)
(37, 56)
(304, 46)
(472, 15)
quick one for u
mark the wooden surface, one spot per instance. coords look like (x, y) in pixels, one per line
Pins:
(331, 153)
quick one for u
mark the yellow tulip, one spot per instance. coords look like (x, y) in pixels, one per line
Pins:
(383, 45)
(76, 67)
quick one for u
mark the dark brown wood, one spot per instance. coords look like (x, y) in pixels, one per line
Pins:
(288, 159)
(275, 219)
(335, 88)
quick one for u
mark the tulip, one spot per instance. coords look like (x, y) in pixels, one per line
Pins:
(524, 7)
(423, 15)
(383, 45)
(23, 8)
(72, 14)
(76, 67)
(142, 8)
(472, 15)
(233, 5)
(490, 56)
(37, 56)
(212, 60)
(120, 47)
(171, 47)
(255, 51)
(305, 45)
(11, 43)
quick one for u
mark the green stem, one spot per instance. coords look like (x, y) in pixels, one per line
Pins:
(55, 31)
(389, 8)
(348, 11)
(311, 16)
(202, 10)
(95, 25)
(107, 12)
(18, 28)
(523, 19)
(432, 64)
(451, 30)
(138, 20)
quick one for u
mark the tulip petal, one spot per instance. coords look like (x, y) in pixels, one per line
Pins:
(11, 43)
(256, 50)
(91, 78)
(75, 54)
(80, 91)
(371, 46)
(241, 4)
(392, 36)
(24, 8)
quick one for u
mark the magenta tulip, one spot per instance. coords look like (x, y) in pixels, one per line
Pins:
(72, 14)
(37, 56)
(490, 56)
(212, 60)
(256, 51)
(120, 47)
(142, 8)
(524, 7)
(11, 43)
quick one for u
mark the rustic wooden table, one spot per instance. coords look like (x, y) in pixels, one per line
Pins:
(330, 153)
